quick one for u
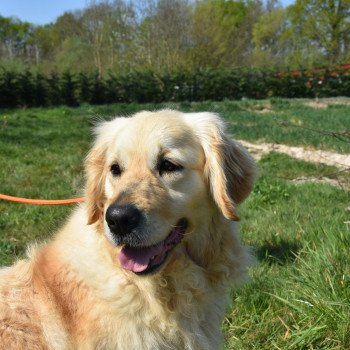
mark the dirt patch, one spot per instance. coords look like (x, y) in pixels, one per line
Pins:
(341, 161)
(315, 104)
(261, 108)
(339, 183)
(324, 103)
(264, 110)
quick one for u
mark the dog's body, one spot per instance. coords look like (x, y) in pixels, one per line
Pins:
(101, 284)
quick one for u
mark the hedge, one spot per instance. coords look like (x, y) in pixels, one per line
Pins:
(28, 89)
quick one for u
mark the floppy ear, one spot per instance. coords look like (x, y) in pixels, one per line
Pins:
(229, 168)
(95, 165)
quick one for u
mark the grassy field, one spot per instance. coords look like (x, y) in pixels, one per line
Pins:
(299, 294)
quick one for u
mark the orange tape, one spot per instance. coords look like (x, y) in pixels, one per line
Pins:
(41, 201)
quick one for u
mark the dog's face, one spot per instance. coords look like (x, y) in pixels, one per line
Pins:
(157, 176)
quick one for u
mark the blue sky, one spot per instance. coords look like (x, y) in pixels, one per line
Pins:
(46, 11)
(39, 11)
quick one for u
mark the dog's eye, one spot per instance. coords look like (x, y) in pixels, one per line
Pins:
(115, 170)
(165, 166)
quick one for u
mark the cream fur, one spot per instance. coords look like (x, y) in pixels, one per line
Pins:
(72, 293)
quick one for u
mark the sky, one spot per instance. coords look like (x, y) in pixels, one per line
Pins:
(46, 11)
(39, 11)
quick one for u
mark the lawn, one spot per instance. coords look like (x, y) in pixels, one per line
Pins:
(299, 293)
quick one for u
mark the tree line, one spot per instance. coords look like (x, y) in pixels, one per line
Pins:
(28, 89)
(164, 36)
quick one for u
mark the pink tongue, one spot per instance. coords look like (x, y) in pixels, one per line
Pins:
(138, 259)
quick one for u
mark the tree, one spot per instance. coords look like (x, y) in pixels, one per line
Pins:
(164, 34)
(325, 24)
(270, 38)
(54, 89)
(8, 89)
(25, 88)
(14, 36)
(40, 90)
(218, 27)
(41, 44)
(84, 85)
(123, 36)
(68, 89)
(98, 90)
(108, 30)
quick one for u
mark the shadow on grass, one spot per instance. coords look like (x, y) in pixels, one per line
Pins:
(282, 252)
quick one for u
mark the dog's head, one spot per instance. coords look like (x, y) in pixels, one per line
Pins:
(153, 177)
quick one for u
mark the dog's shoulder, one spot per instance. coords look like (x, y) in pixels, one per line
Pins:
(20, 325)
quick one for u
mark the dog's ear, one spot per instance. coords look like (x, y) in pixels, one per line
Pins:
(229, 168)
(95, 166)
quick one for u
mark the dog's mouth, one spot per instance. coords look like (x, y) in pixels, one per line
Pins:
(145, 260)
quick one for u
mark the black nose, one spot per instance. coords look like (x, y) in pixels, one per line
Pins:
(122, 219)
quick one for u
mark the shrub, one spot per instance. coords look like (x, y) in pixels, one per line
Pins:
(9, 91)
(68, 88)
(28, 89)
(54, 89)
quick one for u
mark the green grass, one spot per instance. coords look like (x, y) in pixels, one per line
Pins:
(299, 294)
(285, 121)
(299, 297)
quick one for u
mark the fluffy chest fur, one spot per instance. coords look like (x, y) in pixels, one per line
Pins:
(103, 307)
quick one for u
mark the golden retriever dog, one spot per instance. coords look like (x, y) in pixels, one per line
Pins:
(147, 262)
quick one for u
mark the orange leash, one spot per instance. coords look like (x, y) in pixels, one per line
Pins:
(41, 201)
